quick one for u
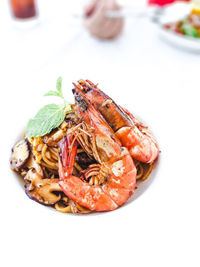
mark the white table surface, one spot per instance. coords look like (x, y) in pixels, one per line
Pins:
(161, 84)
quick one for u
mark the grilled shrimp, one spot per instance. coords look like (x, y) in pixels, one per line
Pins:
(130, 131)
(115, 163)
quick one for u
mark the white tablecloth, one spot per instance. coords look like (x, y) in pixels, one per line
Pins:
(160, 83)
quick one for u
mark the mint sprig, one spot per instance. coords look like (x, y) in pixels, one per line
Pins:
(50, 116)
(58, 91)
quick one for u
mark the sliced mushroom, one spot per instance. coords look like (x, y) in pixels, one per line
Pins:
(41, 190)
(31, 162)
(53, 139)
(50, 142)
(20, 154)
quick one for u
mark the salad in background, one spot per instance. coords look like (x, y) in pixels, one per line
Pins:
(189, 26)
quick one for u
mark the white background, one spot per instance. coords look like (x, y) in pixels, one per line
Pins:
(158, 82)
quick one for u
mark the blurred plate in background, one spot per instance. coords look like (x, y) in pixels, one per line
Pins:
(172, 14)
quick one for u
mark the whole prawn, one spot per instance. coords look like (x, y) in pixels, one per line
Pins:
(116, 164)
(131, 132)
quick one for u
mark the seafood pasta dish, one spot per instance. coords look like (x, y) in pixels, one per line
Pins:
(86, 156)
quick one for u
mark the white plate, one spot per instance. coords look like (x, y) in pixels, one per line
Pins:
(178, 40)
(171, 14)
(142, 186)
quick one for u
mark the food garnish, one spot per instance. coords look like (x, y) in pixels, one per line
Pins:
(50, 116)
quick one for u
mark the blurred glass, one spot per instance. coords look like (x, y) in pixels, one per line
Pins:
(23, 9)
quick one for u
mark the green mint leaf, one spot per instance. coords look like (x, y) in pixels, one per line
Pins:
(59, 89)
(59, 86)
(48, 118)
(52, 93)
(189, 30)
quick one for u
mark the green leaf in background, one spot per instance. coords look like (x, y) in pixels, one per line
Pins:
(189, 30)
(48, 118)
